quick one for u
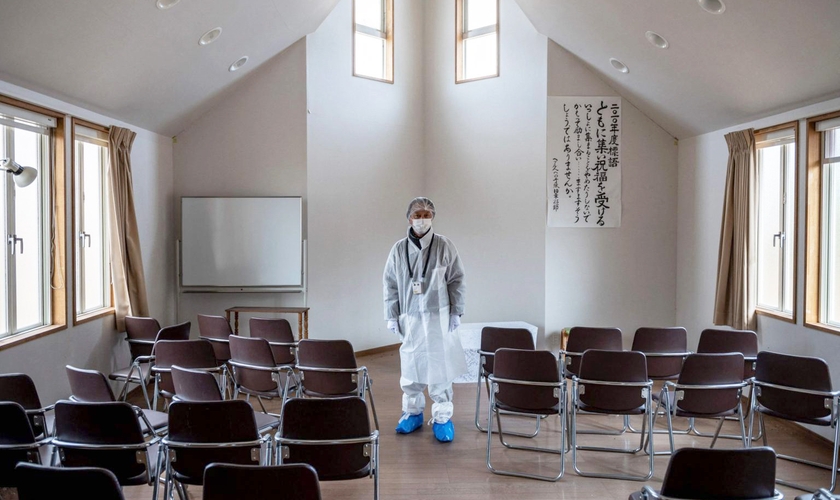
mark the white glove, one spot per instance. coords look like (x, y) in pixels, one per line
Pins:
(394, 326)
(454, 322)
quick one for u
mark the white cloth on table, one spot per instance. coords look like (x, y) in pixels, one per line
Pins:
(470, 334)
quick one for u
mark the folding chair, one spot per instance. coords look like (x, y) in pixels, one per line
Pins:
(197, 354)
(796, 388)
(40, 482)
(493, 338)
(745, 474)
(19, 388)
(278, 333)
(528, 383)
(202, 433)
(18, 443)
(256, 373)
(709, 386)
(333, 436)
(613, 383)
(140, 333)
(90, 386)
(216, 330)
(328, 369)
(233, 482)
(106, 435)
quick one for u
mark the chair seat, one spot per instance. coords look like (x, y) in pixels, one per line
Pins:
(364, 472)
(541, 411)
(823, 421)
(122, 374)
(633, 411)
(266, 422)
(728, 413)
(158, 419)
(322, 395)
(137, 480)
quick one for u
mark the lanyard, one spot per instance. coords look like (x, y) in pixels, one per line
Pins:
(426, 266)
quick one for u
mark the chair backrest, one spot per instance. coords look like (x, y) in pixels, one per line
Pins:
(196, 353)
(221, 422)
(798, 372)
(89, 385)
(93, 424)
(275, 330)
(39, 482)
(217, 329)
(717, 340)
(650, 340)
(253, 351)
(740, 474)
(180, 331)
(582, 338)
(530, 366)
(19, 388)
(327, 354)
(328, 419)
(195, 385)
(493, 338)
(232, 482)
(141, 328)
(710, 369)
(14, 431)
(613, 366)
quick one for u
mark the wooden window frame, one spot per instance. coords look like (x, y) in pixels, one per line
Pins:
(813, 226)
(459, 44)
(389, 42)
(57, 220)
(795, 231)
(79, 319)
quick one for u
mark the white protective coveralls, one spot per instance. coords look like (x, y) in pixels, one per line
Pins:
(430, 355)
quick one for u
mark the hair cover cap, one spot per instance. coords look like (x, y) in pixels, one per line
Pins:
(420, 203)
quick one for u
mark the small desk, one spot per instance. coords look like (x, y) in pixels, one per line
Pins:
(302, 312)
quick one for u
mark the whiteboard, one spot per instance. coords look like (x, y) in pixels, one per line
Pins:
(241, 242)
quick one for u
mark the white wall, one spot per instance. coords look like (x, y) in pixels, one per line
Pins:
(97, 344)
(702, 177)
(626, 276)
(365, 163)
(252, 144)
(485, 165)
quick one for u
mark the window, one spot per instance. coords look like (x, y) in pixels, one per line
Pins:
(822, 263)
(25, 297)
(93, 266)
(776, 229)
(373, 39)
(476, 39)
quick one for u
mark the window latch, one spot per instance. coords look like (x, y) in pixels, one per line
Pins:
(781, 236)
(13, 241)
(84, 238)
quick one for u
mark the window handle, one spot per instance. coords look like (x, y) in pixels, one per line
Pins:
(781, 236)
(13, 240)
(84, 238)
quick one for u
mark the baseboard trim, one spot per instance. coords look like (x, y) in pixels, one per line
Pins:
(378, 350)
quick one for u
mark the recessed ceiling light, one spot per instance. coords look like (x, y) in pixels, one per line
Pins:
(210, 36)
(620, 66)
(712, 6)
(166, 4)
(656, 39)
(238, 63)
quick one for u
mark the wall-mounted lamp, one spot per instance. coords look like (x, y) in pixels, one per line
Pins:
(23, 176)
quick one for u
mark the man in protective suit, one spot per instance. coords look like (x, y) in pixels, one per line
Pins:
(424, 301)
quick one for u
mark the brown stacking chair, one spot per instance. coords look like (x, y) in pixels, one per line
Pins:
(612, 383)
(202, 433)
(278, 333)
(796, 388)
(216, 329)
(198, 385)
(18, 443)
(106, 435)
(255, 372)
(91, 386)
(493, 338)
(526, 382)
(333, 436)
(328, 369)
(233, 482)
(746, 474)
(140, 333)
(709, 386)
(196, 353)
(39, 482)
(19, 388)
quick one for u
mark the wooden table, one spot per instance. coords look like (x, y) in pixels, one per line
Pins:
(302, 312)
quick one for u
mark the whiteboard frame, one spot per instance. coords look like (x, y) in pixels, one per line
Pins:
(240, 289)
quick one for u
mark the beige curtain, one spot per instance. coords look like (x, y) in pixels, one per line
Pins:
(126, 261)
(735, 291)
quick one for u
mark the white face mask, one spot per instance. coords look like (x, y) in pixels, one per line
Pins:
(421, 226)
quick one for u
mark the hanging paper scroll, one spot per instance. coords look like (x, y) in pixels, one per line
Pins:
(584, 161)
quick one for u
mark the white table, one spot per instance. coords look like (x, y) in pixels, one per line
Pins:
(470, 334)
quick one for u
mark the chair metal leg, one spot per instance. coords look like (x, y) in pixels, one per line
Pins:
(372, 405)
(478, 409)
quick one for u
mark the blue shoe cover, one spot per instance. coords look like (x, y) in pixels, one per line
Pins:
(444, 432)
(409, 423)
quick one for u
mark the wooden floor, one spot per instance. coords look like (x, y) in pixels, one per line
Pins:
(416, 466)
